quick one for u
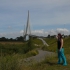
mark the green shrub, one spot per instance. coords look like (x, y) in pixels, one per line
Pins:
(33, 53)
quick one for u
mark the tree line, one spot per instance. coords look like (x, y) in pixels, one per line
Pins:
(21, 38)
(11, 39)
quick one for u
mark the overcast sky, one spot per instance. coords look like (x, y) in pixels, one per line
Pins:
(46, 16)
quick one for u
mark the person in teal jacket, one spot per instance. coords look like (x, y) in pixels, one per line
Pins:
(61, 55)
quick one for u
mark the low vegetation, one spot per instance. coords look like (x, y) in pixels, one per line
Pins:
(53, 45)
(12, 55)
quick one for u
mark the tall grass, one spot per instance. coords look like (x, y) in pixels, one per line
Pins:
(12, 55)
(8, 49)
(8, 63)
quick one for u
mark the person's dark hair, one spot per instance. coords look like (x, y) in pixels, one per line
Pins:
(60, 35)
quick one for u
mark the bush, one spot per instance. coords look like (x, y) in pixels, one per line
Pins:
(33, 53)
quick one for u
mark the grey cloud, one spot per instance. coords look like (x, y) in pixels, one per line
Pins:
(41, 32)
(42, 12)
(45, 3)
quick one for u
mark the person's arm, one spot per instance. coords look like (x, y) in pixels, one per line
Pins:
(56, 37)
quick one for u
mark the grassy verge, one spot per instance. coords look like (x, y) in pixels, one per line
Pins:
(50, 63)
(15, 61)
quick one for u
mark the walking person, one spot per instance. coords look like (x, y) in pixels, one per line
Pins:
(61, 55)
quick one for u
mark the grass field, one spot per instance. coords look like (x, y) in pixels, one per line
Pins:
(13, 61)
(11, 42)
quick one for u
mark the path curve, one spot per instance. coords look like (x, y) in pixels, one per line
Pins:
(38, 58)
(43, 41)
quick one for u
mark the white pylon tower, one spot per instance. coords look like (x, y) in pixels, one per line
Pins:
(28, 30)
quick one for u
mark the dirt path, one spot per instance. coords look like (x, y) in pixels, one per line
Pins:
(43, 41)
(38, 58)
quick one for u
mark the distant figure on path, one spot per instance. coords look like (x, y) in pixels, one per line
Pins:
(61, 56)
